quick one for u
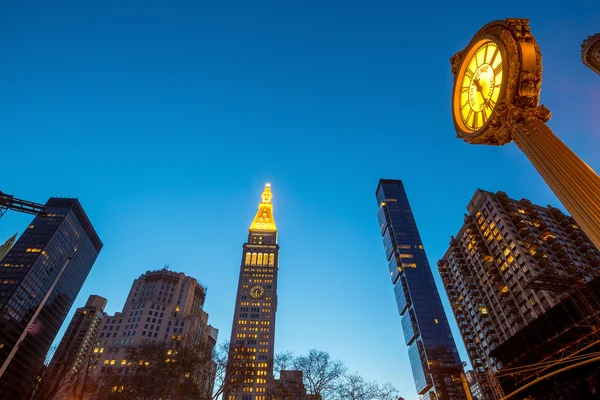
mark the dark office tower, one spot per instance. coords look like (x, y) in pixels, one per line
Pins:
(436, 366)
(59, 250)
(522, 280)
(253, 333)
(67, 369)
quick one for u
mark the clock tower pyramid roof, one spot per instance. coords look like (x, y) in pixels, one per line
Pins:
(263, 221)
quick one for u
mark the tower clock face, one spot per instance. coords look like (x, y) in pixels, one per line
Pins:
(478, 86)
(257, 292)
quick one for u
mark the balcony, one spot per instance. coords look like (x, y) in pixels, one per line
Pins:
(506, 301)
(515, 319)
(488, 330)
(570, 268)
(493, 338)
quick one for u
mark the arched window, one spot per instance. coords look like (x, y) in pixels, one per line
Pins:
(248, 255)
(259, 261)
(271, 260)
(253, 259)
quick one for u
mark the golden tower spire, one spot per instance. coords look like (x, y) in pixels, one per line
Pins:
(264, 217)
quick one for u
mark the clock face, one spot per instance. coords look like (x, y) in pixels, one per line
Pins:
(257, 292)
(478, 86)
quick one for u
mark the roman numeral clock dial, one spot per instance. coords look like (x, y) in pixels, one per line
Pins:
(478, 86)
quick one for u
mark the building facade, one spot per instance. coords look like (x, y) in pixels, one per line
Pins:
(434, 359)
(66, 372)
(163, 307)
(509, 265)
(58, 248)
(250, 363)
(474, 386)
(290, 386)
(7, 246)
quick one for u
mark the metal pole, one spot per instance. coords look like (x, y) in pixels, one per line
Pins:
(541, 378)
(33, 318)
(463, 379)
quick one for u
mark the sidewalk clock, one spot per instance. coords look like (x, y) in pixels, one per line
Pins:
(501, 68)
(495, 100)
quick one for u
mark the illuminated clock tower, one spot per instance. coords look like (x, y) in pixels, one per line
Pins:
(250, 364)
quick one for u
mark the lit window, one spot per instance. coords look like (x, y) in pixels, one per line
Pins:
(253, 259)
(271, 260)
(248, 255)
(259, 260)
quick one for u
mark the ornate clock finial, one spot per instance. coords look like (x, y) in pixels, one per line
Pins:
(590, 52)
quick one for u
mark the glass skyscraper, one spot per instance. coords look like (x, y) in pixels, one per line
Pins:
(436, 366)
(27, 273)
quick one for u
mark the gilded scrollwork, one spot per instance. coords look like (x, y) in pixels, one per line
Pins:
(590, 52)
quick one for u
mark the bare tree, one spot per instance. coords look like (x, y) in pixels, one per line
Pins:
(354, 387)
(64, 379)
(321, 373)
(220, 355)
(326, 378)
(387, 391)
(237, 370)
(282, 361)
(154, 370)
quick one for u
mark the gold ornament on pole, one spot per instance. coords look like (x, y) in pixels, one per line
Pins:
(590, 52)
(495, 100)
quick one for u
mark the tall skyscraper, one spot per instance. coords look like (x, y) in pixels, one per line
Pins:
(253, 331)
(163, 307)
(7, 245)
(28, 271)
(508, 273)
(435, 363)
(67, 368)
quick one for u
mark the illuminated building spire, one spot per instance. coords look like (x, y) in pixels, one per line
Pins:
(264, 217)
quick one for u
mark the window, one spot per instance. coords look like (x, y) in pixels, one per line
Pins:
(248, 256)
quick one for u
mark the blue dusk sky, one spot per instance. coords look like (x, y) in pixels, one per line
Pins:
(167, 118)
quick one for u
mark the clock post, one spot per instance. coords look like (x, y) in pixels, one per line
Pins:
(515, 114)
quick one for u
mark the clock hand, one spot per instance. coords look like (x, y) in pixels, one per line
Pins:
(479, 87)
